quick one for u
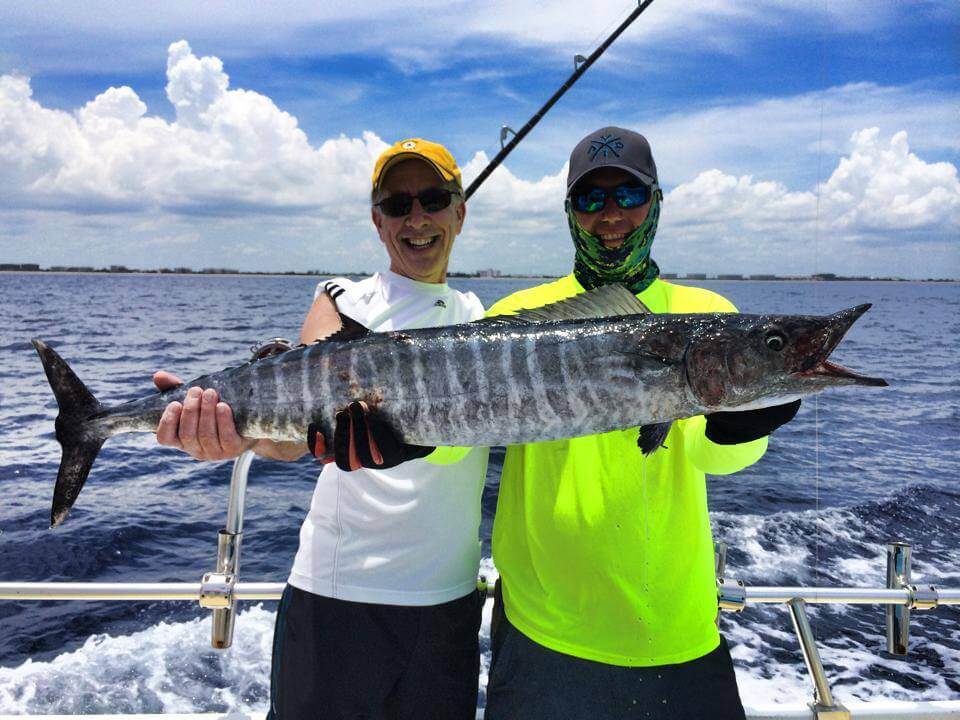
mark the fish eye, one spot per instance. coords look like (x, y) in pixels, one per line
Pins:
(775, 340)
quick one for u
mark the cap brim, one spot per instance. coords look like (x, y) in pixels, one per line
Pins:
(636, 173)
(447, 177)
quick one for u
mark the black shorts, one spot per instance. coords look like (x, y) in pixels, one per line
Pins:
(531, 682)
(362, 661)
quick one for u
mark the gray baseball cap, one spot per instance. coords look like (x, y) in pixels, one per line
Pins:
(612, 147)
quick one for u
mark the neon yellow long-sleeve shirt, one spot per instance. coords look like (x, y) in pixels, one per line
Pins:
(605, 554)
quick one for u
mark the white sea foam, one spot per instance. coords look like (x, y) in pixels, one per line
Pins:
(167, 668)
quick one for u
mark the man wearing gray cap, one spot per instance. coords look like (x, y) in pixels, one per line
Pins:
(607, 598)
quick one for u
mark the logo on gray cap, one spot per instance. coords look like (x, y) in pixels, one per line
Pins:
(605, 146)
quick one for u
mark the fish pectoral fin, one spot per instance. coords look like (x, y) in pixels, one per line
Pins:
(604, 301)
(350, 329)
(653, 436)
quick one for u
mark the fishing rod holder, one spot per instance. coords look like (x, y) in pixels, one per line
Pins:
(920, 597)
(217, 587)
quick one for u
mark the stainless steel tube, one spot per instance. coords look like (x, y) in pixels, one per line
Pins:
(898, 617)
(818, 595)
(238, 491)
(228, 549)
(811, 656)
(131, 591)
(273, 591)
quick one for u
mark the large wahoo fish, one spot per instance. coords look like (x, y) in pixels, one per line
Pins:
(594, 363)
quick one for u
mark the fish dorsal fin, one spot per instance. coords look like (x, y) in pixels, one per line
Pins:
(350, 329)
(604, 301)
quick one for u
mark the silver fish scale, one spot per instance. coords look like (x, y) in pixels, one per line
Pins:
(591, 382)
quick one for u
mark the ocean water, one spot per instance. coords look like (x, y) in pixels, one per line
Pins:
(854, 470)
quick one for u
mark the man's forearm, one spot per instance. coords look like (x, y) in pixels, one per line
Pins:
(284, 451)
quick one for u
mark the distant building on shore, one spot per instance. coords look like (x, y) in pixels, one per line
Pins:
(20, 267)
(730, 276)
(695, 276)
(763, 276)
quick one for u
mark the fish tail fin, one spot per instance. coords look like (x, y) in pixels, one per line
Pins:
(79, 442)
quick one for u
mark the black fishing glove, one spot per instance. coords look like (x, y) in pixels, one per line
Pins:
(366, 426)
(733, 428)
(317, 444)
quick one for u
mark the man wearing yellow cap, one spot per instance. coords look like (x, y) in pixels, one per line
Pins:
(381, 613)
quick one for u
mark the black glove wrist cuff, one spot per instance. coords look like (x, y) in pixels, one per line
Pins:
(734, 428)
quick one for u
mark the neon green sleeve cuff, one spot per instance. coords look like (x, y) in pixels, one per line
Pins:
(714, 459)
(447, 455)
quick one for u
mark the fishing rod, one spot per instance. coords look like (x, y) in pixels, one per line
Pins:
(580, 64)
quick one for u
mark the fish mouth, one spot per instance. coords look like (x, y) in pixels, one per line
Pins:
(819, 365)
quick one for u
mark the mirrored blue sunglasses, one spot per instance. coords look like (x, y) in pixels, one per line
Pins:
(594, 199)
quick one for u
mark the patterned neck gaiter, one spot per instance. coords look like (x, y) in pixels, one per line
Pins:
(630, 264)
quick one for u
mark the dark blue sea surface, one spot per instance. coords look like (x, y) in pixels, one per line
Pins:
(857, 468)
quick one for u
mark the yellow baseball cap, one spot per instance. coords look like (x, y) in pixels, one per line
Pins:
(436, 154)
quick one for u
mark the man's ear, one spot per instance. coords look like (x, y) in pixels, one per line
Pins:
(377, 218)
(461, 214)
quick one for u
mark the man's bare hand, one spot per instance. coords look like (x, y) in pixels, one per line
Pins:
(201, 425)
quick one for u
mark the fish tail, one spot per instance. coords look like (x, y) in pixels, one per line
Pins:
(79, 441)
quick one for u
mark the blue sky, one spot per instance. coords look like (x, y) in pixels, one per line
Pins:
(731, 97)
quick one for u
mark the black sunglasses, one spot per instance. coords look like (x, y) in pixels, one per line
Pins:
(431, 200)
(594, 199)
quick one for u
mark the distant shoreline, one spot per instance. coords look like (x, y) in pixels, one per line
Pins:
(7, 269)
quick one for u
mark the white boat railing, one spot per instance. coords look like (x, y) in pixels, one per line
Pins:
(209, 597)
(221, 591)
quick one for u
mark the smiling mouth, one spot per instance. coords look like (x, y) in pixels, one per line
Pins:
(613, 238)
(420, 243)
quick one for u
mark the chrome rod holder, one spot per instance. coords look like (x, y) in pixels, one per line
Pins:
(922, 597)
(228, 558)
(823, 706)
(898, 616)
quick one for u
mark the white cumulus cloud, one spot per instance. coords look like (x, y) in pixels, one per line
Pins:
(879, 193)
(883, 186)
(234, 171)
(877, 187)
(228, 151)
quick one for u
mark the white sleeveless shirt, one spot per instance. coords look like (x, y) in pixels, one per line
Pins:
(406, 535)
